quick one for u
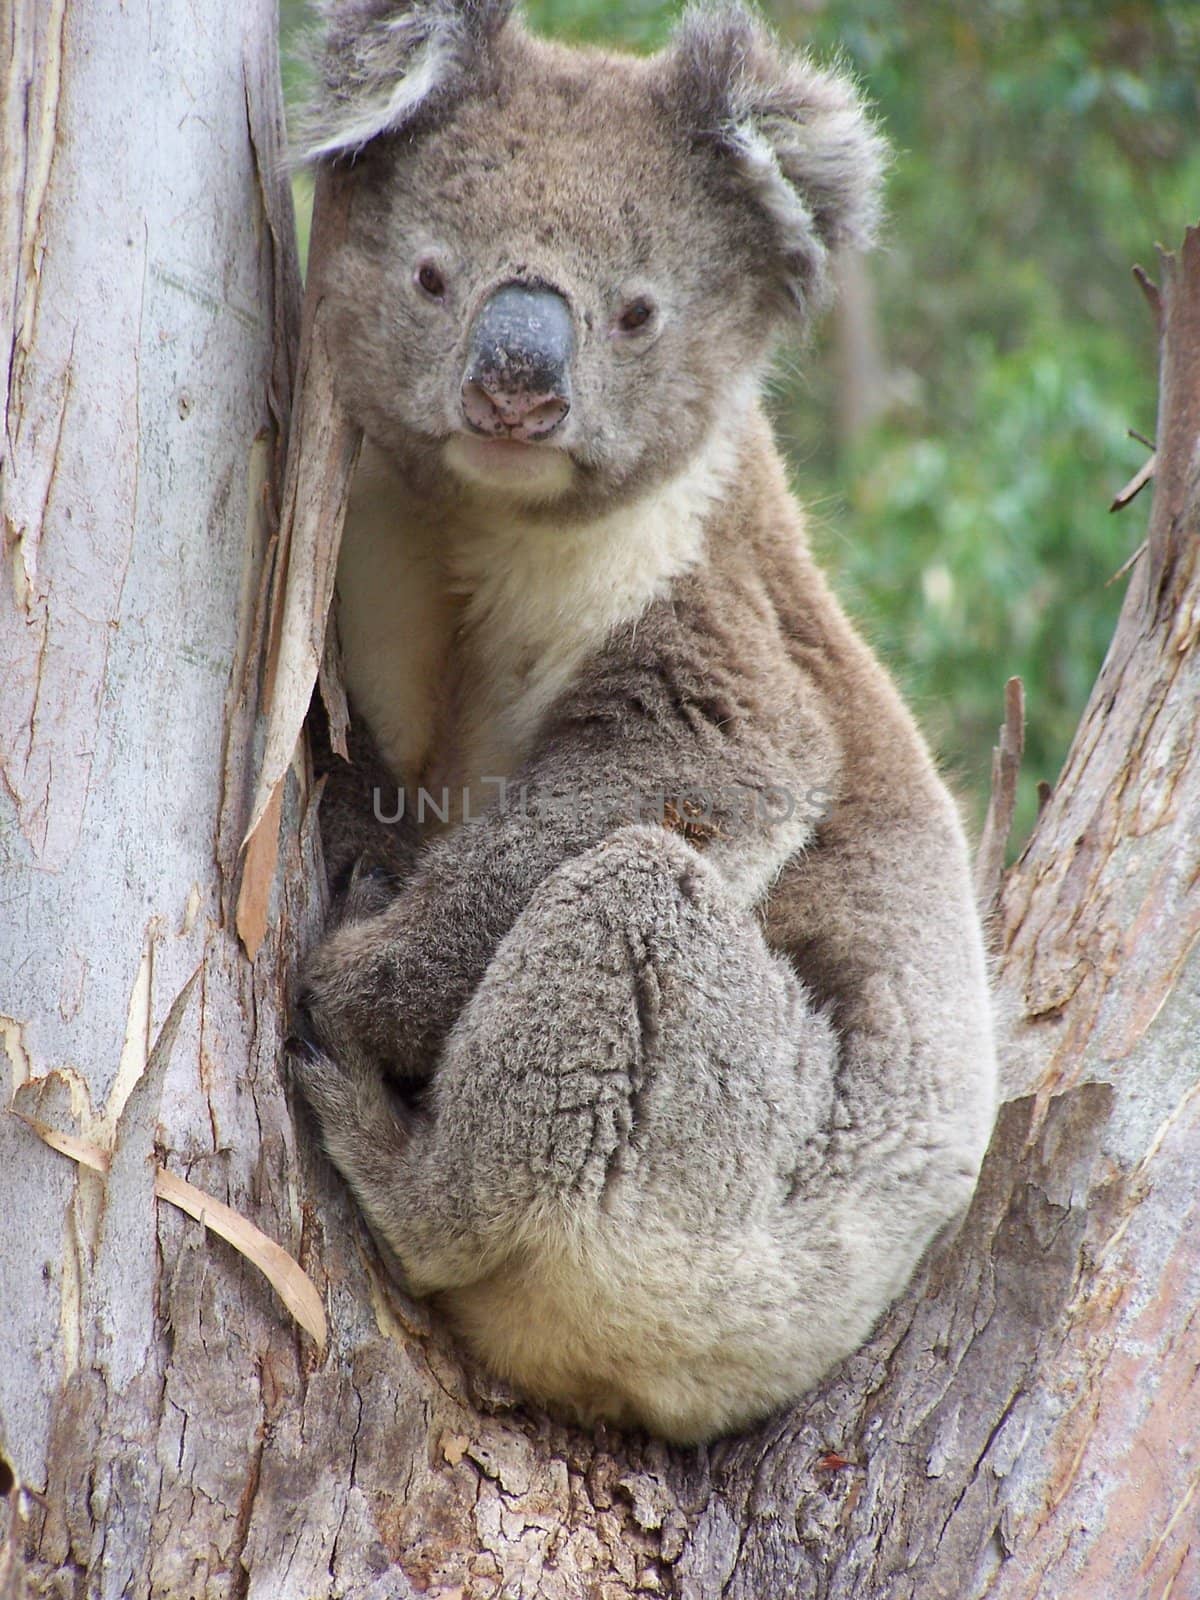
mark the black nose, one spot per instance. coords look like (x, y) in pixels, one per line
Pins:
(518, 379)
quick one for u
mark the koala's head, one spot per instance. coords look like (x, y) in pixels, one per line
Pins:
(564, 268)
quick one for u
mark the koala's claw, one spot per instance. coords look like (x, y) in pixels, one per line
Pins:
(297, 1045)
(302, 1038)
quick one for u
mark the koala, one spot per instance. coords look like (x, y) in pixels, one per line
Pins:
(652, 1030)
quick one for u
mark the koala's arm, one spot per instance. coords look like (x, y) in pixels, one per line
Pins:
(355, 788)
(655, 730)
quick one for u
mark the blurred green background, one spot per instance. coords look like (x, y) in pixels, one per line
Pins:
(958, 428)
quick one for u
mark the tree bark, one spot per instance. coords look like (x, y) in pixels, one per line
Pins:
(864, 386)
(1021, 1424)
(150, 308)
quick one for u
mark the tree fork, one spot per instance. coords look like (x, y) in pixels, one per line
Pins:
(1021, 1422)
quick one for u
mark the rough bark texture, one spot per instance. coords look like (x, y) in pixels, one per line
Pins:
(1023, 1423)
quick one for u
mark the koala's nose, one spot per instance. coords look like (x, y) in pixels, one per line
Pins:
(518, 379)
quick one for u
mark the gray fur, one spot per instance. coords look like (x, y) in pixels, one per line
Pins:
(385, 67)
(662, 1075)
(797, 136)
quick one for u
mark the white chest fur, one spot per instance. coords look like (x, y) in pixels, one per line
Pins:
(458, 632)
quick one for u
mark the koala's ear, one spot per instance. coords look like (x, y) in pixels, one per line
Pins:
(382, 64)
(796, 136)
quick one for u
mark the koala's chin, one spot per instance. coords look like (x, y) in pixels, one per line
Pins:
(527, 474)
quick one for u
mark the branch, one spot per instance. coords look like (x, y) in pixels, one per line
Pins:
(1006, 769)
(1136, 484)
(1175, 514)
(1150, 290)
(1100, 928)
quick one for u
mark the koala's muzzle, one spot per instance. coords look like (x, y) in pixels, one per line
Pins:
(518, 379)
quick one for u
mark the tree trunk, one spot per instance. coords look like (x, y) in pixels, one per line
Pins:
(150, 308)
(864, 388)
(1022, 1423)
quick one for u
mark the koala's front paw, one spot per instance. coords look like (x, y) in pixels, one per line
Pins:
(333, 1010)
(362, 889)
(359, 998)
(364, 1126)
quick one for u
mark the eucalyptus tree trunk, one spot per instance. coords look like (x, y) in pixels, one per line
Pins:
(149, 309)
(237, 1402)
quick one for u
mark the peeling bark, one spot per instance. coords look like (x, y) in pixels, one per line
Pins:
(1022, 1424)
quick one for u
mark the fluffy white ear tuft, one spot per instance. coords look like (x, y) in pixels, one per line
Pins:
(382, 64)
(798, 138)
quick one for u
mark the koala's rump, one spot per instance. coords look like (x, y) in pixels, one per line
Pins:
(636, 1330)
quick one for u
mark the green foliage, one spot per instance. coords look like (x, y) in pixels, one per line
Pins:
(632, 24)
(983, 549)
(1042, 146)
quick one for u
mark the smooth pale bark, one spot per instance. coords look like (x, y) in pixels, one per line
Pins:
(1022, 1424)
(150, 295)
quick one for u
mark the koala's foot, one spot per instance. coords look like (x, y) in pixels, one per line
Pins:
(365, 1127)
(614, 1138)
(635, 1048)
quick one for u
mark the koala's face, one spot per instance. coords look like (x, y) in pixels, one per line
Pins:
(556, 281)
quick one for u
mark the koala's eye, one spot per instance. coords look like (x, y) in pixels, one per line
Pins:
(430, 280)
(637, 316)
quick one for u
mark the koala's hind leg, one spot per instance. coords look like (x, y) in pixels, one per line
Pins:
(636, 1068)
